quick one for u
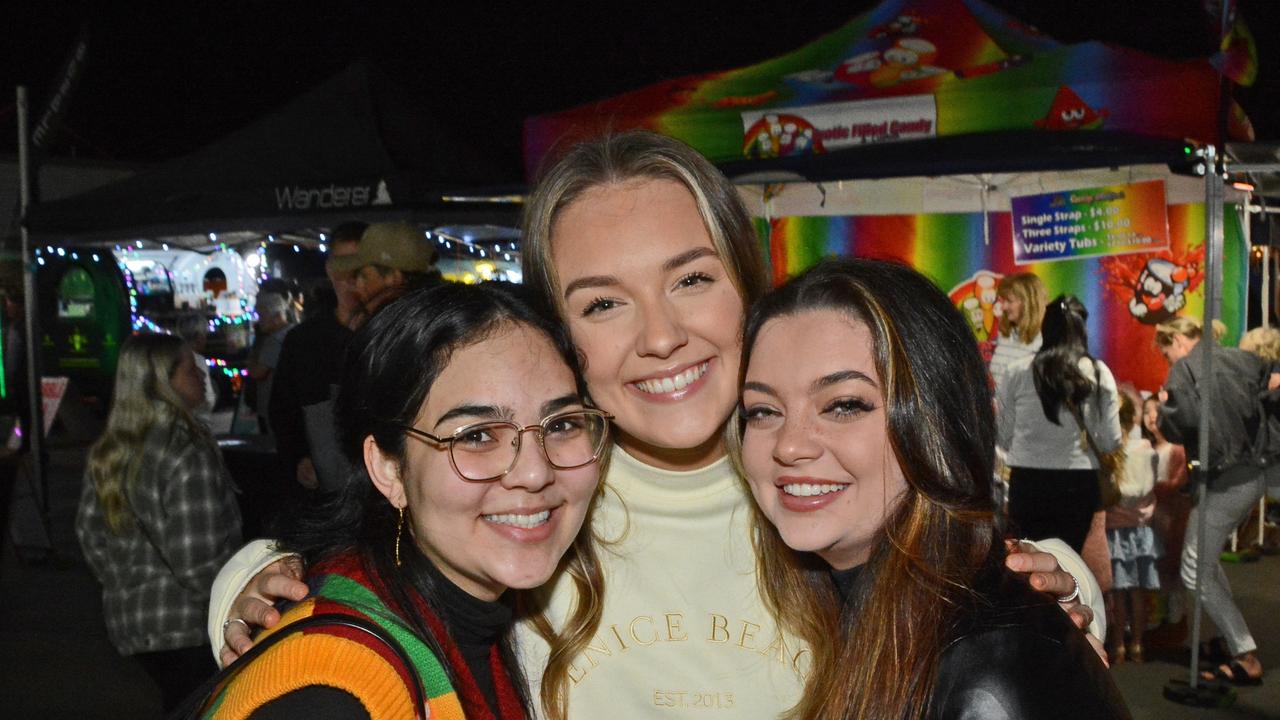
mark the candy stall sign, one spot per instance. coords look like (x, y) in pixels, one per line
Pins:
(1112, 220)
(817, 129)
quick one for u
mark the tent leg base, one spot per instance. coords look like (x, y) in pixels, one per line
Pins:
(1205, 694)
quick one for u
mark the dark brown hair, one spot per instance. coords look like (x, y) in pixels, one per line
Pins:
(876, 655)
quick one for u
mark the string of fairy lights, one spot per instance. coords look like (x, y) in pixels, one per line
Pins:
(255, 268)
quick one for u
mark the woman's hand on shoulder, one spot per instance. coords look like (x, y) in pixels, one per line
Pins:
(254, 607)
(1044, 573)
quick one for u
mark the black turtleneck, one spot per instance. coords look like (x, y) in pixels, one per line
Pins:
(845, 581)
(475, 626)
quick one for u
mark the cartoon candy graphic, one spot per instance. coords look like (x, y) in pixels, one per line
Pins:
(905, 60)
(976, 300)
(1160, 291)
(1154, 287)
(1069, 112)
(905, 24)
(781, 135)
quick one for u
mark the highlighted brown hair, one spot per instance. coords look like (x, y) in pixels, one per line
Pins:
(877, 655)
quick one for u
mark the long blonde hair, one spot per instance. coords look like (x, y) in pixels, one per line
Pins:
(1028, 288)
(1263, 342)
(143, 400)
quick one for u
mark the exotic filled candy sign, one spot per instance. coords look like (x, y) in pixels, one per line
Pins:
(822, 128)
(1112, 220)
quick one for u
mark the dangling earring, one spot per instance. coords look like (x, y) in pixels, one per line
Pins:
(399, 530)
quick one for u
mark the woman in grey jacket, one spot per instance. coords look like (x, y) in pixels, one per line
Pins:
(1237, 444)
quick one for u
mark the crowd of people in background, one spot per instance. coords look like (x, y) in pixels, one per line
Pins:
(639, 254)
(1064, 419)
(160, 513)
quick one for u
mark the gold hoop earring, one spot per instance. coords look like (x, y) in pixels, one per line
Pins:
(399, 531)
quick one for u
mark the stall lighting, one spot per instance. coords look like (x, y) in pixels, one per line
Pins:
(229, 370)
(1242, 186)
(164, 246)
(323, 248)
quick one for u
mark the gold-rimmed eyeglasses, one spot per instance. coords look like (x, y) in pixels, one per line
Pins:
(485, 451)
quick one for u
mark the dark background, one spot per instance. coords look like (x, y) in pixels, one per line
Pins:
(163, 80)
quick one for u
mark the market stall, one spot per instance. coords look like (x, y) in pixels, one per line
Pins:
(356, 147)
(201, 232)
(939, 133)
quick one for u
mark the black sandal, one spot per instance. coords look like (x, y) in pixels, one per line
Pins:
(1235, 674)
(1215, 651)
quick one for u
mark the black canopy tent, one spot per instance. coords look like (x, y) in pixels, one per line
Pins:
(355, 147)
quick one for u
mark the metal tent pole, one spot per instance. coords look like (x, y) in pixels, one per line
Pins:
(1212, 301)
(35, 431)
(1194, 691)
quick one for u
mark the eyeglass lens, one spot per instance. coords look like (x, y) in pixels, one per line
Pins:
(488, 450)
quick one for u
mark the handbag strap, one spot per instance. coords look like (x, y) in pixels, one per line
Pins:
(198, 700)
(1088, 437)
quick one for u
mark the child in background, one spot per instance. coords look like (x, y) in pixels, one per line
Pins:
(1132, 543)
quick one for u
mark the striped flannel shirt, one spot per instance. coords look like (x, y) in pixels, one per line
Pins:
(156, 577)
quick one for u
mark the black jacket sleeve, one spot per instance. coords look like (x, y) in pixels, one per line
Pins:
(1022, 659)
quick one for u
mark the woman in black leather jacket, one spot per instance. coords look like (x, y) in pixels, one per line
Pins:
(867, 439)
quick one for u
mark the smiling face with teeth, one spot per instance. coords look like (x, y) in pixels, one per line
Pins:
(816, 445)
(507, 533)
(657, 316)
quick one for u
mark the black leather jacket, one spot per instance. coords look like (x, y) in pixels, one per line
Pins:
(1020, 657)
(1014, 655)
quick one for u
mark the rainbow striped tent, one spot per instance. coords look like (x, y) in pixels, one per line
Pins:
(915, 89)
(907, 70)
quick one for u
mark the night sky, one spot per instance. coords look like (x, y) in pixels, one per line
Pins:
(163, 81)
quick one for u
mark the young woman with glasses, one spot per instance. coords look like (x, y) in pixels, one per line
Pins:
(477, 456)
(650, 257)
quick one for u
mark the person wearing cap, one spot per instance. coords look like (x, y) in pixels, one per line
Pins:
(391, 260)
(311, 358)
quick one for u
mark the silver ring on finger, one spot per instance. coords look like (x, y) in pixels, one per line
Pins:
(227, 624)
